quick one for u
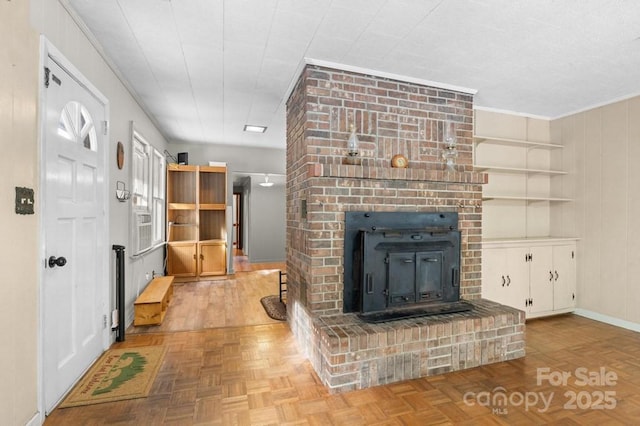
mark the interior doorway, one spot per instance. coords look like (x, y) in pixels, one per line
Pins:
(237, 222)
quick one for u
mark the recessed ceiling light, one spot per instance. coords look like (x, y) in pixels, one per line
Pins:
(254, 129)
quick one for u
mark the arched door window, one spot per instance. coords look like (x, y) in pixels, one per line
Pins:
(77, 125)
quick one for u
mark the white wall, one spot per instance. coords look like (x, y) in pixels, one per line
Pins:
(21, 22)
(266, 224)
(604, 153)
(238, 159)
(19, 250)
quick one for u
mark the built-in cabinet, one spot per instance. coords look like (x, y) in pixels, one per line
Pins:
(528, 261)
(538, 277)
(196, 221)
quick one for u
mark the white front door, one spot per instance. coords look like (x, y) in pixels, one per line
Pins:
(75, 278)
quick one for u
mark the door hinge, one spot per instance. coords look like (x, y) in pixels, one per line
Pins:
(48, 76)
(105, 128)
(572, 254)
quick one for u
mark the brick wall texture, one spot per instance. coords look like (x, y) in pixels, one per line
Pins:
(391, 117)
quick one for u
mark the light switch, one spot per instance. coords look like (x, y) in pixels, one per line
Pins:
(24, 200)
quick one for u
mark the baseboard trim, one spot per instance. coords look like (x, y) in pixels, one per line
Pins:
(633, 326)
(36, 420)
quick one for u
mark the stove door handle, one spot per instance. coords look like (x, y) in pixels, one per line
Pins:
(369, 283)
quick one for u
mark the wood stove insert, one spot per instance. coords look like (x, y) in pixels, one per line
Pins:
(402, 264)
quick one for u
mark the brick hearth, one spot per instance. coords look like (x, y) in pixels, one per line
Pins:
(391, 117)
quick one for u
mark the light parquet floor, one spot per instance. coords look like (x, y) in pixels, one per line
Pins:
(228, 302)
(256, 375)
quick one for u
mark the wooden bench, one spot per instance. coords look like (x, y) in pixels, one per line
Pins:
(151, 306)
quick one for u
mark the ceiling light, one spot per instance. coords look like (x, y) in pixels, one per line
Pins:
(254, 129)
(266, 182)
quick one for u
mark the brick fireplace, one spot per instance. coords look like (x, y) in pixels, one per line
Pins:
(391, 117)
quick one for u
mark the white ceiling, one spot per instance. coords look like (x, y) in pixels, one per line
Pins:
(205, 68)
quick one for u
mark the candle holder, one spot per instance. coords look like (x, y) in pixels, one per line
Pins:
(353, 147)
(450, 151)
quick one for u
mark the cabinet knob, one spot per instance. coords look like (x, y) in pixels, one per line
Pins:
(550, 276)
(503, 281)
(508, 280)
(556, 277)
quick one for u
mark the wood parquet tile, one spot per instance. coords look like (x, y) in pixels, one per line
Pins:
(229, 302)
(256, 375)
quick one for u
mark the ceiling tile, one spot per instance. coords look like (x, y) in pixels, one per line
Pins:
(203, 68)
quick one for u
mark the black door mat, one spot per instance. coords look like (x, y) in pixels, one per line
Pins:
(274, 307)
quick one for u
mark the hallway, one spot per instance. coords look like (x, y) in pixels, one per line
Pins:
(232, 301)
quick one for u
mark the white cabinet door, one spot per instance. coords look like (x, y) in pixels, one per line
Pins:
(517, 277)
(505, 276)
(538, 277)
(564, 275)
(494, 266)
(541, 279)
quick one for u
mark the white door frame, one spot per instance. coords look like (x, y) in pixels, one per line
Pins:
(47, 50)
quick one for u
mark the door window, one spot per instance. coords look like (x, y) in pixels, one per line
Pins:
(76, 125)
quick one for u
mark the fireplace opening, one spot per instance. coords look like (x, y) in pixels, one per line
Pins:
(402, 264)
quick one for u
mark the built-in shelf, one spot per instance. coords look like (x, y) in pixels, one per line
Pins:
(498, 169)
(478, 139)
(487, 197)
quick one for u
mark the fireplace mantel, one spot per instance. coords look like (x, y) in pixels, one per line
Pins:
(390, 173)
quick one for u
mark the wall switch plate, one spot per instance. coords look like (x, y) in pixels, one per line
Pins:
(24, 200)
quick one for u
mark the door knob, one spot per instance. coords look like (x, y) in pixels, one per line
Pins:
(57, 261)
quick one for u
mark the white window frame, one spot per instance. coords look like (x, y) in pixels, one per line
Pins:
(158, 170)
(141, 173)
(147, 193)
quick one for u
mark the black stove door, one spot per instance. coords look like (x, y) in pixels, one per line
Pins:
(429, 276)
(401, 278)
(414, 277)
